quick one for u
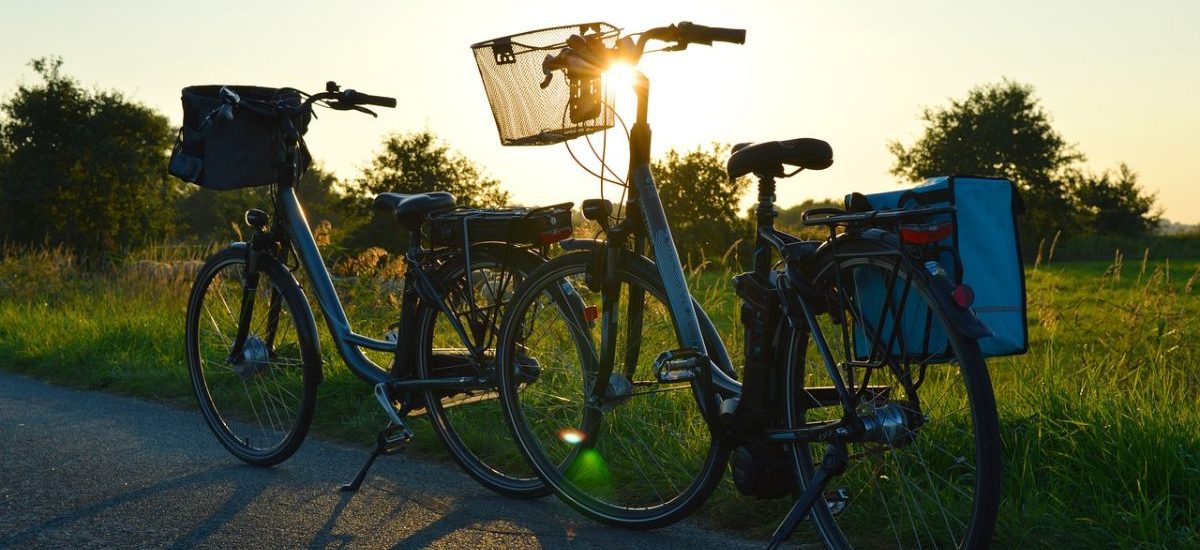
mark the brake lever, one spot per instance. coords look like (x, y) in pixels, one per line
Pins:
(340, 106)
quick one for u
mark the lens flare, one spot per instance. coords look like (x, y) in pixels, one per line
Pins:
(572, 436)
(619, 77)
(589, 471)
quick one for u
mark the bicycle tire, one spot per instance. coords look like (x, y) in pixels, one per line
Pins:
(466, 422)
(277, 377)
(934, 484)
(640, 459)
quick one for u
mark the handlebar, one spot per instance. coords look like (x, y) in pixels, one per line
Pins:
(333, 96)
(359, 98)
(692, 33)
(584, 55)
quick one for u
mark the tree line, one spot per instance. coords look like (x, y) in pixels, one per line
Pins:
(86, 169)
(1001, 129)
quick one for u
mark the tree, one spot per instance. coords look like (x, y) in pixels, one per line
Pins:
(1115, 204)
(84, 168)
(790, 219)
(999, 129)
(415, 163)
(419, 163)
(701, 202)
(209, 215)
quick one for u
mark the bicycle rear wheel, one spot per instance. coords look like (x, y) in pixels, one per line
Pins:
(639, 454)
(468, 422)
(930, 476)
(260, 404)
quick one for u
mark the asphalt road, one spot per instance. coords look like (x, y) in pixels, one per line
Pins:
(92, 470)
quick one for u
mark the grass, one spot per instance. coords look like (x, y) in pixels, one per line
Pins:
(1100, 420)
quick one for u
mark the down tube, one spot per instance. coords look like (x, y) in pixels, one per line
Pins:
(331, 307)
(666, 257)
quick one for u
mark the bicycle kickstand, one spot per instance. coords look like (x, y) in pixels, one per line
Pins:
(834, 464)
(391, 440)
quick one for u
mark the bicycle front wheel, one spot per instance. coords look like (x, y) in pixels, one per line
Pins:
(259, 403)
(468, 422)
(929, 476)
(636, 453)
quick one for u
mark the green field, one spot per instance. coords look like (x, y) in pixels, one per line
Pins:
(1100, 421)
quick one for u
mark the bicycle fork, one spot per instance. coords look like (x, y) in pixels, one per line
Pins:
(247, 354)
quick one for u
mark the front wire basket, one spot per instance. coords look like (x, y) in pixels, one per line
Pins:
(526, 113)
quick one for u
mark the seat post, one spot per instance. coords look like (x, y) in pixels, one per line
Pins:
(765, 215)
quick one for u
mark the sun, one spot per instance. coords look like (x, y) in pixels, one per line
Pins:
(619, 77)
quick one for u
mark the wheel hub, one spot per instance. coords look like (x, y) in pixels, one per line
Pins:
(894, 424)
(255, 359)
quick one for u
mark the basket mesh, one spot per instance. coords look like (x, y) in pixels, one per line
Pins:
(526, 113)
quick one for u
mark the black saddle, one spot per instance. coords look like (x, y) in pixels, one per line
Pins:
(767, 158)
(412, 208)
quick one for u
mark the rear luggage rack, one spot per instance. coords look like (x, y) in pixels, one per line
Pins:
(834, 217)
(460, 227)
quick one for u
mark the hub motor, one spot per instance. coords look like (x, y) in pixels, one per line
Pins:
(255, 359)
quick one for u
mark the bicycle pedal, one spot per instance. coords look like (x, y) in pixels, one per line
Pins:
(678, 365)
(394, 439)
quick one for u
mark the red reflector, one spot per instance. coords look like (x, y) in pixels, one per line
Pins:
(591, 313)
(964, 296)
(554, 236)
(925, 234)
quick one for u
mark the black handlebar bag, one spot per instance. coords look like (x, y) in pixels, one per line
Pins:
(225, 146)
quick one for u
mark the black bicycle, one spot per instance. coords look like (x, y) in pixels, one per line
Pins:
(863, 392)
(252, 343)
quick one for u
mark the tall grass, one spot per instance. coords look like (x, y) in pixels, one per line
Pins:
(1100, 420)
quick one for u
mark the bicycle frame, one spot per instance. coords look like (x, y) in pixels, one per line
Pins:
(644, 193)
(290, 218)
(347, 342)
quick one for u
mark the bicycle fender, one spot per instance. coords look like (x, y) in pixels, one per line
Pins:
(579, 244)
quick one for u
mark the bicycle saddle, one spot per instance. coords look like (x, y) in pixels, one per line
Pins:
(767, 158)
(413, 207)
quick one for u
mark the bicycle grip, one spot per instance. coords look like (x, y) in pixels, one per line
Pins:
(700, 34)
(358, 98)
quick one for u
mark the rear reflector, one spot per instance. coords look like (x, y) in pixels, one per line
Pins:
(963, 296)
(554, 236)
(925, 234)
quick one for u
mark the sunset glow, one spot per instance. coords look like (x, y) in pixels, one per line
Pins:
(1120, 79)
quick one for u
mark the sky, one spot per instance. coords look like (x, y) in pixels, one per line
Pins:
(1120, 79)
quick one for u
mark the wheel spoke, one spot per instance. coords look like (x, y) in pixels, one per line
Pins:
(923, 488)
(648, 459)
(258, 403)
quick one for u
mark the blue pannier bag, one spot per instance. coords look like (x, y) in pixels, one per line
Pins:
(980, 248)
